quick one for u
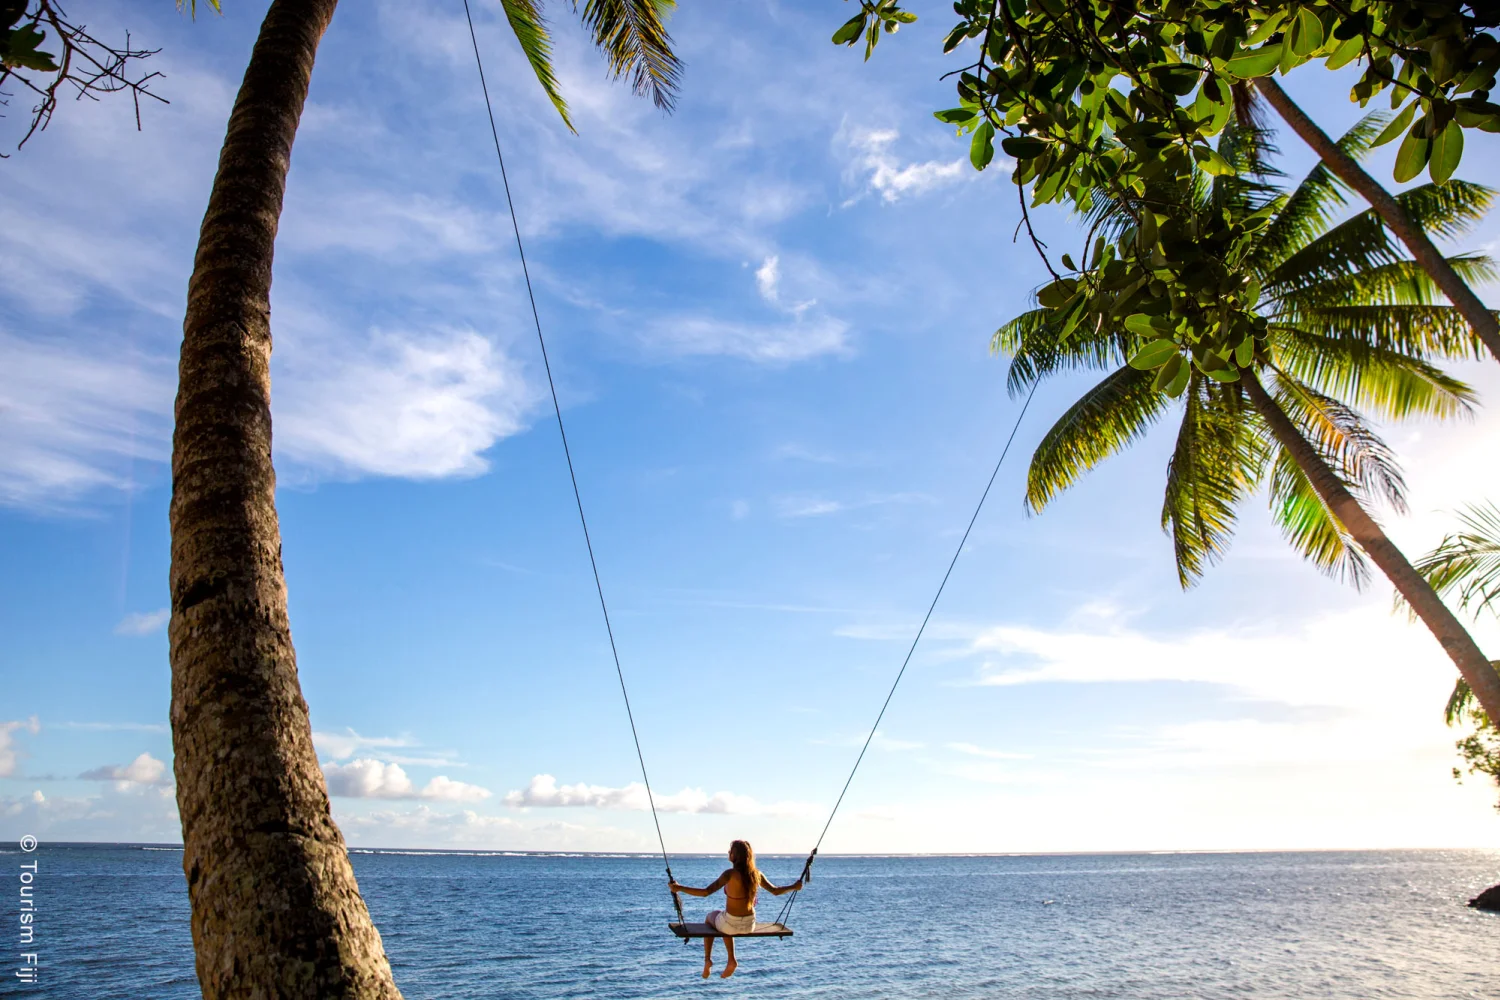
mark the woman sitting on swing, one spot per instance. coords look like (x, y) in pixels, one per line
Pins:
(739, 883)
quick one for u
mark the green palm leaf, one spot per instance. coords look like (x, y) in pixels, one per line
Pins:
(1389, 381)
(1401, 282)
(1109, 417)
(1363, 242)
(1310, 208)
(1217, 461)
(1310, 527)
(633, 36)
(530, 28)
(1467, 563)
(1037, 349)
(1344, 441)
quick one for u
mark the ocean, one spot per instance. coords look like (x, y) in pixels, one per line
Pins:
(113, 923)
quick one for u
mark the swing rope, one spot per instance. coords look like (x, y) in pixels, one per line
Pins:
(786, 908)
(572, 476)
(806, 876)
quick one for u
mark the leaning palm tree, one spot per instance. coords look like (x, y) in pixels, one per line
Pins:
(275, 908)
(1350, 324)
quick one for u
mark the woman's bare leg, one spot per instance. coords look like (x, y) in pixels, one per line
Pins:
(708, 956)
(731, 965)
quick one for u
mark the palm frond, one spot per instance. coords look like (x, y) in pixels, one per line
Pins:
(1110, 416)
(1401, 282)
(1349, 367)
(1216, 462)
(1425, 332)
(1467, 563)
(1449, 210)
(632, 34)
(530, 28)
(1309, 209)
(1036, 348)
(1343, 439)
(1362, 242)
(1310, 527)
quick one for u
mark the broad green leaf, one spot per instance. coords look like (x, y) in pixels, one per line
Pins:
(1258, 62)
(1168, 372)
(1447, 150)
(1307, 33)
(1180, 380)
(850, 30)
(1148, 326)
(1244, 352)
(1346, 53)
(1146, 232)
(1411, 157)
(1023, 147)
(1056, 295)
(982, 146)
(1153, 355)
(955, 116)
(1212, 162)
(1267, 28)
(1397, 126)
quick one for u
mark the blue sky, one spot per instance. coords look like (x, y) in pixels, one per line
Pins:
(769, 317)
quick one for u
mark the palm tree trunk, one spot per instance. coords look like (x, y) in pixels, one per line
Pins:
(276, 912)
(1480, 318)
(1418, 593)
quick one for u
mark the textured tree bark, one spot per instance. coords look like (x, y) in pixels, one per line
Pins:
(1444, 625)
(1480, 318)
(276, 912)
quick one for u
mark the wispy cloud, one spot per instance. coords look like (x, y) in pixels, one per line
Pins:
(341, 746)
(139, 623)
(977, 751)
(778, 342)
(73, 420)
(816, 506)
(544, 792)
(367, 778)
(112, 727)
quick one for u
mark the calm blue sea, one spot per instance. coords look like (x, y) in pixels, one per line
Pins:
(1298, 925)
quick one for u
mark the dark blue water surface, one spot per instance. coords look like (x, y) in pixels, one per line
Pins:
(1297, 925)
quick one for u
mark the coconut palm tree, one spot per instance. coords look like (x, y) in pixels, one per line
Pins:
(1351, 324)
(275, 908)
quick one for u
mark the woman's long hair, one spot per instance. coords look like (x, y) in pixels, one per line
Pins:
(742, 857)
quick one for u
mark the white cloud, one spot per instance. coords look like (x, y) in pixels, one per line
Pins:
(420, 408)
(9, 755)
(367, 778)
(877, 167)
(798, 339)
(139, 623)
(767, 276)
(545, 792)
(145, 770)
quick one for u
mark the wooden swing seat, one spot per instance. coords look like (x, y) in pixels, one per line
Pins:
(705, 931)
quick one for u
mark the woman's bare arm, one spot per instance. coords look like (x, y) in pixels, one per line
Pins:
(718, 884)
(777, 890)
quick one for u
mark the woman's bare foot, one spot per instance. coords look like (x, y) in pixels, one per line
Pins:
(728, 969)
(708, 968)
